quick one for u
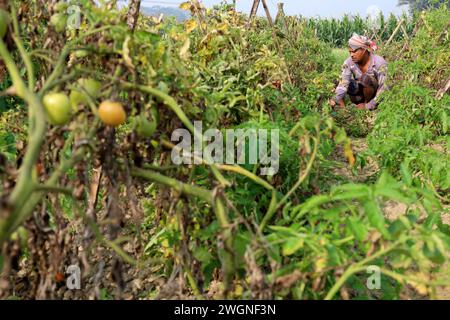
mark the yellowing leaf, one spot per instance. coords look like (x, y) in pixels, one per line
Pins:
(185, 5)
(157, 20)
(184, 51)
(190, 25)
(126, 53)
(420, 286)
(320, 264)
(292, 245)
(348, 153)
(222, 27)
(238, 291)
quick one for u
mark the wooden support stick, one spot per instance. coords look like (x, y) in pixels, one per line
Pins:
(441, 92)
(255, 7)
(266, 9)
(280, 13)
(275, 37)
(405, 32)
(253, 12)
(395, 31)
(200, 16)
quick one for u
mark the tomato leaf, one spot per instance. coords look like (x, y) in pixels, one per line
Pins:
(357, 228)
(376, 217)
(292, 245)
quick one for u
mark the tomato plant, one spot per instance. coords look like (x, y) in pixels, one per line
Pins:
(104, 191)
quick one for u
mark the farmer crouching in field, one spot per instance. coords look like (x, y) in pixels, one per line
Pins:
(363, 75)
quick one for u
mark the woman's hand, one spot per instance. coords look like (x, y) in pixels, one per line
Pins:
(332, 103)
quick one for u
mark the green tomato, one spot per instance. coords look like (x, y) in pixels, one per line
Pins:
(61, 6)
(210, 115)
(155, 114)
(78, 97)
(81, 53)
(58, 109)
(91, 86)
(145, 128)
(59, 21)
(21, 234)
(14, 236)
(4, 20)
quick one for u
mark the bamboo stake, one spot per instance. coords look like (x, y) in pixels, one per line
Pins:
(253, 12)
(416, 28)
(254, 9)
(441, 92)
(133, 14)
(281, 16)
(266, 9)
(275, 37)
(395, 31)
(444, 33)
(279, 12)
(405, 32)
(200, 16)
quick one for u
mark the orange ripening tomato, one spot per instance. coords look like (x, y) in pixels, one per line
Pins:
(59, 277)
(112, 113)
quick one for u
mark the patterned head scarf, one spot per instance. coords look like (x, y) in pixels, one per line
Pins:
(357, 42)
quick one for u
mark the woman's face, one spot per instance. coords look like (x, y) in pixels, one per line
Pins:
(357, 55)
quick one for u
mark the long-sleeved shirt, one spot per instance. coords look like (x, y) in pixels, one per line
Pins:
(352, 72)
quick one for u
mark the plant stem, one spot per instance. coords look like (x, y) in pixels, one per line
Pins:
(58, 70)
(230, 168)
(357, 267)
(173, 183)
(166, 99)
(101, 238)
(225, 253)
(173, 105)
(193, 284)
(349, 272)
(54, 189)
(273, 209)
(25, 55)
(19, 216)
(246, 173)
(23, 188)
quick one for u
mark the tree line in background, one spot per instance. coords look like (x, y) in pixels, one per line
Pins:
(419, 5)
